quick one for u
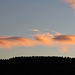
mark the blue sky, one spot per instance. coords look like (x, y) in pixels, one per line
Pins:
(17, 17)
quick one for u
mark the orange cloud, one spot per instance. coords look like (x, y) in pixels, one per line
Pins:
(9, 42)
(66, 42)
(62, 41)
(34, 29)
(65, 39)
(70, 2)
(46, 39)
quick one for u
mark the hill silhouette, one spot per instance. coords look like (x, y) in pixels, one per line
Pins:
(41, 64)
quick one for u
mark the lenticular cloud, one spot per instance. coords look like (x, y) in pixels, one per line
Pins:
(65, 39)
(9, 42)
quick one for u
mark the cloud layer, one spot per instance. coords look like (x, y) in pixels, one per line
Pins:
(64, 42)
(46, 39)
(49, 39)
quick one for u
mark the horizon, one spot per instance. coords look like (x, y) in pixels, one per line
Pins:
(38, 57)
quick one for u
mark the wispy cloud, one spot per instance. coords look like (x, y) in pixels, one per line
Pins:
(70, 2)
(64, 49)
(34, 30)
(56, 33)
(45, 39)
(9, 42)
(62, 41)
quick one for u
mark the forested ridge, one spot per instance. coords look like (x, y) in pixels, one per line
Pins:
(38, 60)
(37, 64)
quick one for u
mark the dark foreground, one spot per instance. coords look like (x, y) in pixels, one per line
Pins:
(37, 65)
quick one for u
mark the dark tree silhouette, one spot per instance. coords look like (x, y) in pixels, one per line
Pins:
(26, 65)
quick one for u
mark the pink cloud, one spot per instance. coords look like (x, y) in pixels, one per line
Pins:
(9, 42)
(34, 30)
(45, 39)
(70, 2)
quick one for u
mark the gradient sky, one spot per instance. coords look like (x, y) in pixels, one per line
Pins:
(22, 17)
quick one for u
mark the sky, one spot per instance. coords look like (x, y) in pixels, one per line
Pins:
(37, 28)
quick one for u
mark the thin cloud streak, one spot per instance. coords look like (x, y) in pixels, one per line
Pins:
(35, 30)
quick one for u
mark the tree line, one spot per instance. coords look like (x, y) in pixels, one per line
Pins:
(36, 64)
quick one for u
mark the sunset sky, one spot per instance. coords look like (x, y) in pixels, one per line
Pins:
(37, 28)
